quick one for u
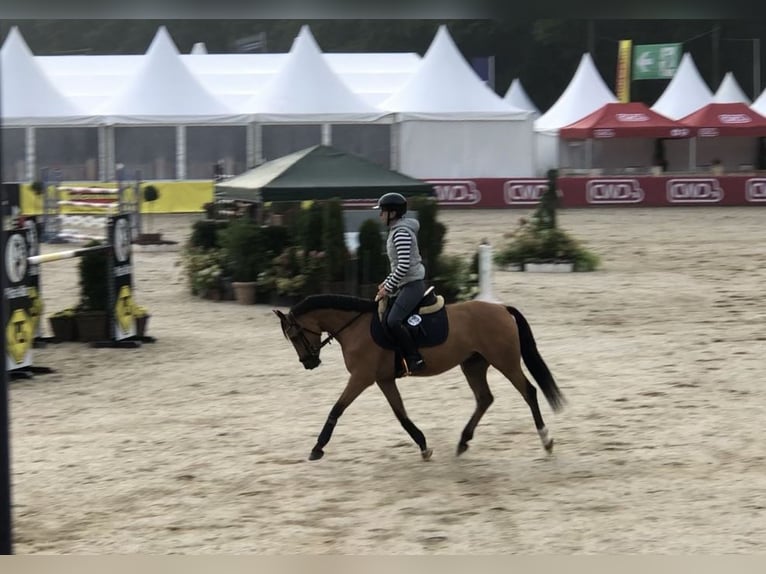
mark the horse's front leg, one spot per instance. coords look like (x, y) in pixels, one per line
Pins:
(391, 392)
(353, 389)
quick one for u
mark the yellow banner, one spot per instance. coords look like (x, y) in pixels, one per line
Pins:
(175, 197)
(623, 70)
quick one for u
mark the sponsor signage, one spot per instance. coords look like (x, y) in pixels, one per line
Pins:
(755, 190)
(623, 70)
(604, 191)
(639, 117)
(603, 133)
(734, 118)
(456, 192)
(609, 191)
(524, 191)
(688, 190)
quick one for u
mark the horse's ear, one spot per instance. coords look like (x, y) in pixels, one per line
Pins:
(279, 314)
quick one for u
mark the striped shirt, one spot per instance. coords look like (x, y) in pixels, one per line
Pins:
(404, 254)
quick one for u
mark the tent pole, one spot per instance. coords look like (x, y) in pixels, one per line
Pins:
(111, 159)
(394, 142)
(180, 152)
(29, 150)
(102, 152)
(692, 154)
(326, 134)
(255, 157)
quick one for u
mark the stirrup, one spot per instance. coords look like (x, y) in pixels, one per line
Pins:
(418, 365)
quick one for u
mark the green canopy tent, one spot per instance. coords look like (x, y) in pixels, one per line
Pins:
(318, 172)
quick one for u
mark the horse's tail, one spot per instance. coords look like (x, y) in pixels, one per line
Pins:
(535, 363)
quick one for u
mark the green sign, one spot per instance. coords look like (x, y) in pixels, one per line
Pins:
(655, 61)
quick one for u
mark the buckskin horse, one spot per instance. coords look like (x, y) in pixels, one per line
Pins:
(480, 334)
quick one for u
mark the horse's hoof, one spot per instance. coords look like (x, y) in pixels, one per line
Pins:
(316, 454)
(548, 446)
(426, 454)
(461, 448)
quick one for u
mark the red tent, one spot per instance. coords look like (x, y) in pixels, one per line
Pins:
(625, 120)
(735, 119)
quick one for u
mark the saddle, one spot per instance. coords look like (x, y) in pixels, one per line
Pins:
(427, 324)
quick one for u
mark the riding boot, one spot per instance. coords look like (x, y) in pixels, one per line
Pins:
(413, 360)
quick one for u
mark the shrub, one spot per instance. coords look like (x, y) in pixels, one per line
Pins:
(333, 241)
(241, 242)
(372, 263)
(205, 233)
(431, 234)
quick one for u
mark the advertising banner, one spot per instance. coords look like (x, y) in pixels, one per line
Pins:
(623, 70)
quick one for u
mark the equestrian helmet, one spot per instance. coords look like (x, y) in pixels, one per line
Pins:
(395, 202)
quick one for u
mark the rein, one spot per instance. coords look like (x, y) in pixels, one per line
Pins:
(329, 337)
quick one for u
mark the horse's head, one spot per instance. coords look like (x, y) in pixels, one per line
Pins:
(305, 339)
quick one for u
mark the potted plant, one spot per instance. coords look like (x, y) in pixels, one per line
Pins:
(540, 245)
(151, 194)
(204, 268)
(64, 325)
(241, 244)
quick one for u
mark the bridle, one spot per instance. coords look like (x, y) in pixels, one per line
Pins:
(297, 333)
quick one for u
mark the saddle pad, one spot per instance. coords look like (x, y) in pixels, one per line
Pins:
(432, 330)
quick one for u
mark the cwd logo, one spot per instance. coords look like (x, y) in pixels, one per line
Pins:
(708, 132)
(456, 192)
(755, 190)
(524, 191)
(613, 191)
(603, 133)
(706, 190)
(638, 117)
(679, 132)
(735, 118)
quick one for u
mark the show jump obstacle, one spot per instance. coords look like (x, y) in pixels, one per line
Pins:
(23, 291)
(76, 213)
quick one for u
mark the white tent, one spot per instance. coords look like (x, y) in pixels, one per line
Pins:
(686, 93)
(29, 97)
(305, 89)
(518, 98)
(199, 48)
(585, 93)
(450, 124)
(759, 105)
(729, 92)
(163, 90)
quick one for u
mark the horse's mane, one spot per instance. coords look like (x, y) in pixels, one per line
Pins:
(339, 302)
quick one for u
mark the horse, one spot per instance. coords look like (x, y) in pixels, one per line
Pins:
(480, 334)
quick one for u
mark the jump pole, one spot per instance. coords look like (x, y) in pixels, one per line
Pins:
(59, 255)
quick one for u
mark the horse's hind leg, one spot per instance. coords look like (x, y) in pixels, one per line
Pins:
(529, 392)
(353, 389)
(391, 392)
(475, 371)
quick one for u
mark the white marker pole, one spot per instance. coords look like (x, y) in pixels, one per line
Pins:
(485, 274)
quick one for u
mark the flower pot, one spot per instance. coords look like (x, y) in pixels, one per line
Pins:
(92, 326)
(244, 292)
(64, 328)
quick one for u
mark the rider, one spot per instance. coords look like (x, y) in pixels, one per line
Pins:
(405, 281)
